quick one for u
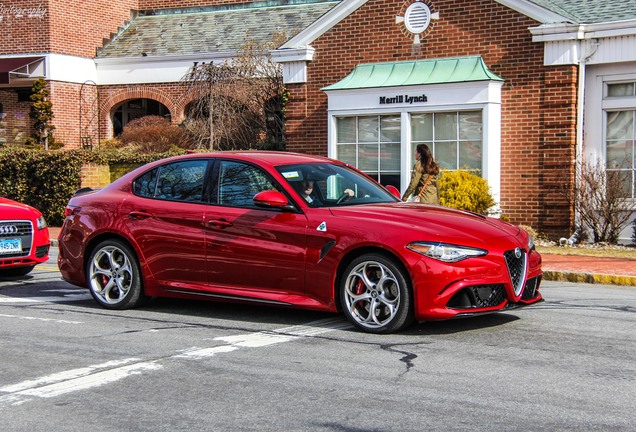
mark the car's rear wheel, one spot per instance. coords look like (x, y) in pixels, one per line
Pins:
(375, 294)
(16, 271)
(114, 278)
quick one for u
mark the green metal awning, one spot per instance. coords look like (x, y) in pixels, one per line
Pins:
(416, 72)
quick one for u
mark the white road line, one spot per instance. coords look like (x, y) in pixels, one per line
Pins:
(81, 296)
(39, 319)
(66, 375)
(97, 375)
(201, 353)
(94, 380)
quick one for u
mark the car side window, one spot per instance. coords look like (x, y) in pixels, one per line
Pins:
(179, 181)
(239, 182)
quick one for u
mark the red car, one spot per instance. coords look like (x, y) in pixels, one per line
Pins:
(24, 238)
(291, 230)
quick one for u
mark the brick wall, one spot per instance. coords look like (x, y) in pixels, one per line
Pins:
(24, 26)
(538, 103)
(65, 99)
(60, 26)
(94, 175)
(79, 27)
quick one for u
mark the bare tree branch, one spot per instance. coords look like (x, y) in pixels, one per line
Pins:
(237, 104)
(600, 201)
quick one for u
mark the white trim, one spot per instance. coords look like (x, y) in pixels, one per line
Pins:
(293, 55)
(70, 69)
(150, 70)
(347, 7)
(294, 62)
(595, 104)
(323, 24)
(534, 11)
(558, 32)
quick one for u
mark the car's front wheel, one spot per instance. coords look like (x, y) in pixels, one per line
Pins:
(375, 294)
(114, 278)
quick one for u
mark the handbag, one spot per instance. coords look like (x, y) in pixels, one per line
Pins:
(418, 197)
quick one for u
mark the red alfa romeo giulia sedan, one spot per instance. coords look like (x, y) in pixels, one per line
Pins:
(291, 230)
(24, 238)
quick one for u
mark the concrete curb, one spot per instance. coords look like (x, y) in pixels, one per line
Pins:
(561, 276)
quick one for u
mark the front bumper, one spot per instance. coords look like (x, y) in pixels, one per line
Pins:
(475, 286)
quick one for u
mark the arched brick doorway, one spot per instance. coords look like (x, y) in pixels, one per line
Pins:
(124, 105)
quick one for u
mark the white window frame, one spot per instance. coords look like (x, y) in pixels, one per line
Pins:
(470, 96)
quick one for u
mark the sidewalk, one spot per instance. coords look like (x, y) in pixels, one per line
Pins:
(570, 268)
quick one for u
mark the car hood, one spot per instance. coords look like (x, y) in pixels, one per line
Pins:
(431, 222)
(10, 209)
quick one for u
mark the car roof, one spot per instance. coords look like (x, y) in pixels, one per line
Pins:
(259, 157)
(272, 158)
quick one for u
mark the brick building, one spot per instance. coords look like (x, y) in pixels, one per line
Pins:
(517, 89)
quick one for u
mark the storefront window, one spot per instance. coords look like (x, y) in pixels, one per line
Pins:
(620, 141)
(371, 144)
(455, 138)
(621, 148)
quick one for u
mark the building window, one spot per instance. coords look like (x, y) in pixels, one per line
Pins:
(371, 144)
(455, 138)
(620, 135)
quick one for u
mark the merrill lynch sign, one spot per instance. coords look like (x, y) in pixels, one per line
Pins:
(405, 99)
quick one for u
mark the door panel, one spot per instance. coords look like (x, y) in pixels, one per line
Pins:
(166, 218)
(250, 248)
(256, 249)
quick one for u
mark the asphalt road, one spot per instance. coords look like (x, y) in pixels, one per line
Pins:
(68, 365)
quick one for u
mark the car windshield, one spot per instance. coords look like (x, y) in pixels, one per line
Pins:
(328, 185)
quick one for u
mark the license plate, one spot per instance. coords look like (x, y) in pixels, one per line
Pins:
(8, 246)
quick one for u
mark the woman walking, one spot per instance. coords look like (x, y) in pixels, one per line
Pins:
(424, 185)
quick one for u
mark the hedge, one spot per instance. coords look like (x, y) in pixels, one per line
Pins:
(46, 180)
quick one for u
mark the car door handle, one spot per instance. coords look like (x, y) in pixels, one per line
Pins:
(218, 223)
(139, 215)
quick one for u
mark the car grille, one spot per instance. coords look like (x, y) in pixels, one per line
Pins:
(530, 291)
(41, 251)
(17, 229)
(516, 262)
(478, 296)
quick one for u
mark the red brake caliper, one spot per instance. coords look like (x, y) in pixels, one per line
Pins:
(360, 288)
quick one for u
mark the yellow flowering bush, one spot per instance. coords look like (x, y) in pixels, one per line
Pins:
(465, 190)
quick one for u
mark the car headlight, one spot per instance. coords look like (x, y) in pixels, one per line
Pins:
(530, 242)
(41, 223)
(445, 252)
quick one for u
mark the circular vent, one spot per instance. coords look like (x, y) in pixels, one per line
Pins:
(417, 18)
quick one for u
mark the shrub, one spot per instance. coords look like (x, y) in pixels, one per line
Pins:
(42, 114)
(47, 179)
(42, 179)
(600, 200)
(465, 190)
(155, 134)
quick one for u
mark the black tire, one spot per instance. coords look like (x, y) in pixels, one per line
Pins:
(375, 294)
(16, 271)
(113, 276)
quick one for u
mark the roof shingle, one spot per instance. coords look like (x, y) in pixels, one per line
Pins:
(212, 29)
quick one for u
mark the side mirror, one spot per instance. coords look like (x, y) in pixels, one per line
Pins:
(393, 190)
(271, 199)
